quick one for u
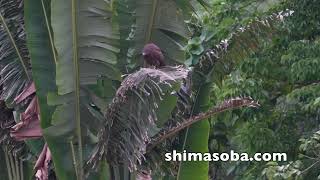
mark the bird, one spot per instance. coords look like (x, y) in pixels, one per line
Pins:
(153, 56)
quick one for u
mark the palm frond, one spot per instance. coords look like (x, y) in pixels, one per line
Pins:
(224, 106)
(169, 138)
(219, 60)
(131, 117)
(14, 58)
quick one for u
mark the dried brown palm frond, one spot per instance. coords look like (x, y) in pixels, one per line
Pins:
(131, 117)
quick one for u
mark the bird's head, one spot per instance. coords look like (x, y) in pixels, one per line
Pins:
(152, 56)
(150, 49)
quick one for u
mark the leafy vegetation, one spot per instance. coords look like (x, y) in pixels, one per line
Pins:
(284, 77)
(78, 103)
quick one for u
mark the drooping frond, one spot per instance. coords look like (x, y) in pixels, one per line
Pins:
(169, 138)
(219, 60)
(131, 117)
(224, 106)
(14, 58)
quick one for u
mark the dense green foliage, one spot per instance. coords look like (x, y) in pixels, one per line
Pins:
(284, 77)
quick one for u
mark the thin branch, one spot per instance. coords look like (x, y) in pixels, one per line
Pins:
(310, 167)
(301, 85)
(309, 157)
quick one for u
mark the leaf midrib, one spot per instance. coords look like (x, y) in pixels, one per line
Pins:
(49, 32)
(151, 22)
(15, 46)
(74, 14)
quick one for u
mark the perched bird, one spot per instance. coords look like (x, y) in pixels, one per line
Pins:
(153, 56)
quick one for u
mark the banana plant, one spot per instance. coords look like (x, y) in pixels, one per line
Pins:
(76, 56)
(211, 67)
(15, 78)
(62, 66)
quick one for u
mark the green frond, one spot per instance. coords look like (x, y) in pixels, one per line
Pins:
(216, 62)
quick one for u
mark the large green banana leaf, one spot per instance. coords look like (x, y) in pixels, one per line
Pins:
(86, 52)
(43, 61)
(161, 22)
(79, 53)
